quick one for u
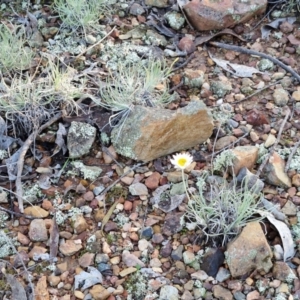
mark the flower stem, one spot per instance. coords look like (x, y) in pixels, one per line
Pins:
(185, 188)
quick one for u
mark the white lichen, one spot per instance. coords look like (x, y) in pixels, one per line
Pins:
(223, 161)
(3, 154)
(89, 172)
(121, 220)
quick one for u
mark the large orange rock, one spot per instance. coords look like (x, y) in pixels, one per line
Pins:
(149, 133)
(219, 14)
(249, 251)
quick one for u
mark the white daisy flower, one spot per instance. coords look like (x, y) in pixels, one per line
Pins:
(182, 160)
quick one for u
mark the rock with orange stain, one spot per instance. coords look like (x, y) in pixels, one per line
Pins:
(274, 172)
(149, 132)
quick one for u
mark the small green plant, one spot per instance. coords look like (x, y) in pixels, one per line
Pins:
(83, 14)
(223, 210)
(13, 55)
(28, 103)
(135, 84)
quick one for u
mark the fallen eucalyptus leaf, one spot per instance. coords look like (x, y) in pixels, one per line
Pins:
(235, 69)
(284, 232)
(266, 29)
(203, 39)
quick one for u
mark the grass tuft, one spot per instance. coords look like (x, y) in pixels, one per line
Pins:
(222, 211)
(83, 14)
(13, 55)
(28, 103)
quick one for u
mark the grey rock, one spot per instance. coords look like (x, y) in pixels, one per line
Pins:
(188, 257)
(38, 231)
(239, 295)
(130, 260)
(221, 88)
(172, 223)
(101, 258)
(222, 275)
(136, 9)
(281, 97)
(166, 249)
(149, 133)
(289, 209)
(233, 123)
(36, 39)
(187, 295)
(224, 142)
(157, 238)
(222, 293)
(177, 253)
(138, 189)
(81, 137)
(199, 275)
(168, 292)
(282, 271)
(98, 189)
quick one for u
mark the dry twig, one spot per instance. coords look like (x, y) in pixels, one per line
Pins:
(296, 146)
(252, 52)
(20, 164)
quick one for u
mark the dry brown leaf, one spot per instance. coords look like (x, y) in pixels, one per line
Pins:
(203, 39)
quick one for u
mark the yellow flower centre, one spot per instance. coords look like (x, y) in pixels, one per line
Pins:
(181, 162)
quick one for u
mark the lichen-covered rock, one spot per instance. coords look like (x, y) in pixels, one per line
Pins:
(249, 251)
(175, 20)
(221, 87)
(281, 97)
(81, 137)
(211, 14)
(149, 133)
(194, 78)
